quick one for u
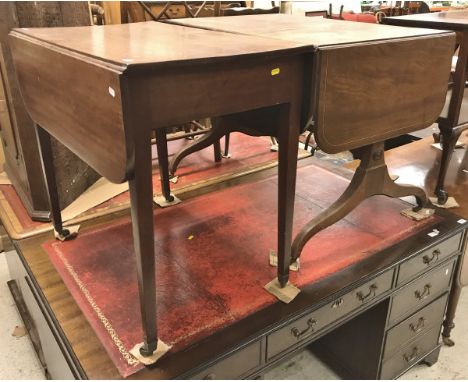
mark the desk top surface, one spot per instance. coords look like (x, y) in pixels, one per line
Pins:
(315, 31)
(449, 20)
(221, 298)
(154, 43)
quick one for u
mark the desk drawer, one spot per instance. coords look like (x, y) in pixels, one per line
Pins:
(428, 259)
(234, 366)
(418, 323)
(421, 291)
(410, 355)
(310, 324)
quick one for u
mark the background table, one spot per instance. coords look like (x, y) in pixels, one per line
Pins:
(450, 126)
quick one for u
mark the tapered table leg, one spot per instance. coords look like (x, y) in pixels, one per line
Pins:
(45, 148)
(163, 162)
(141, 198)
(288, 133)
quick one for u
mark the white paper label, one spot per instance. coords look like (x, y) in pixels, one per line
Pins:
(433, 233)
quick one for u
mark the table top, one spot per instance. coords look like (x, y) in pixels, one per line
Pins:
(316, 31)
(153, 43)
(355, 63)
(457, 20)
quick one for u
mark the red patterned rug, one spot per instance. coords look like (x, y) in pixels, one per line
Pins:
(212, 259)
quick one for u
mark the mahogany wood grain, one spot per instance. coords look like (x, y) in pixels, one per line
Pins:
(59, 93)
(451, 20)
(346, 94)
(312, 30)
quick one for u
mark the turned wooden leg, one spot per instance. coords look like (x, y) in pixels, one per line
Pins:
(210, 138)
(141, 198)
(449, 323)
(446, 125)
(163, 162)
(45, 149)
(288, 133)
(453, 300)
(449, 138)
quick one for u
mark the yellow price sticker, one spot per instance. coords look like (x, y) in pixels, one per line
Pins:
(275, 71)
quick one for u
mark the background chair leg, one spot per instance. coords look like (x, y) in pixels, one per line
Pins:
(210, 138)
(226, 145)
(163, 162)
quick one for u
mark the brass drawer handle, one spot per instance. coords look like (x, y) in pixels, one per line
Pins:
(372, 290)
(414, 354)
(426, 292)
(419, 326)
(435, 257)
(337, 303)
(298, 334)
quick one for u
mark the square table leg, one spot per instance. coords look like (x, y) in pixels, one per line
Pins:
(141, 199)
(45, 149)
(288, 134)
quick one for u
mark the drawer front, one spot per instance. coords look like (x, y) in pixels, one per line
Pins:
(235, 365)
(406, 331)
(421, 291)
(310, 324)
(428, 259)
(410, 355)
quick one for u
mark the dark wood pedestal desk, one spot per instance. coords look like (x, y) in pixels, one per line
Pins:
(372, 319)
(262, 84)
(449, 124)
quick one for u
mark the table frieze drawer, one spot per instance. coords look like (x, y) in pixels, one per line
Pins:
(421, 291)
(234, 366)
(310, 324)
(428, 258)
(415, 325)
(410, 355)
